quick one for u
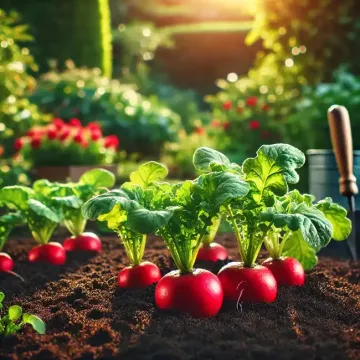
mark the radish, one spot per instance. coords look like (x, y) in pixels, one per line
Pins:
(130, 212)
(197, 293)
(287, 271)
(212, 252)
(247, 284)
(194, 291)
(85, 242)
(6, 262)
(138, 276)
(52, 253)
(209, 250)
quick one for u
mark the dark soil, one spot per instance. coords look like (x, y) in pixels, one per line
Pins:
(87, 317)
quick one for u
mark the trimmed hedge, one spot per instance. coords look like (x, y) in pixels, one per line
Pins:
(68, 29)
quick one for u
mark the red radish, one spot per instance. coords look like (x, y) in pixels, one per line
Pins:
(212, 252)
(248, 284)
(52, 253)
(139, 276)
(6, 262)
(197, 293)
(286, 270)
(85, 242)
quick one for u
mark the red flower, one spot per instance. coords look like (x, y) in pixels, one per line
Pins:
(79, 138)
(227, 105)
(215, 123)
(226, 125)
(75, 122)
(64, 135)
(94, 127)
(265, 107)
(252, 101)
(35, 143)
(200, 130)
(111, 141)
(58, 123)
(52, 133)
(96, 135)
(254, 124)
(1, 150)
(18, 144)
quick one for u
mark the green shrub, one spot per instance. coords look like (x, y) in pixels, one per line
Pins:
(310, 116)
(141, 124)
(68, 29)
(17, 114)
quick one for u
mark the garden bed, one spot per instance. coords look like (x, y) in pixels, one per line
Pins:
(88, 317)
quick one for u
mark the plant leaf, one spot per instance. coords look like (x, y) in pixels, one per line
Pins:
(204, 156)
(146, 221)
(297, 248)
(43, 211)
(2, 297)
(336, 214)
(14, 312)
(222, 187)
(316, 230)
(72, 202)
(7, 223)
(37, 324)
(148, 173)
(104, 204)
(274, 168)
(16, 197)
(98, 178)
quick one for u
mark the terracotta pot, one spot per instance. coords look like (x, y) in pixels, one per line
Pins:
(67, 173)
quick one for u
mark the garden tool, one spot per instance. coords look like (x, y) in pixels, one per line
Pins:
(341, 138)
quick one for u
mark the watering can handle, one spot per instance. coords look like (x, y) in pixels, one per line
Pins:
(341, 138)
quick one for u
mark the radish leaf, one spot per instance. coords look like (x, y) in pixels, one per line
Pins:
(148, 173)
(98, 178)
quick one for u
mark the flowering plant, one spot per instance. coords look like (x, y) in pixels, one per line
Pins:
(62, 144)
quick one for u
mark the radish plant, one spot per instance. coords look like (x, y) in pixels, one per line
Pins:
(299, 230)
(210, 250)
(14, 320)
(194, 291)
(41, 218)
(133, 212)
(7, 223)
(91, 183)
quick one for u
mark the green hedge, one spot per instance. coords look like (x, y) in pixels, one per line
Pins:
(68, 29)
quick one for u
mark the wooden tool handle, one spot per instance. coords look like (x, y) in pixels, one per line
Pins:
(341, 138)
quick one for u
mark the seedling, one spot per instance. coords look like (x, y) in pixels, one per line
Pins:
(14, 320)
(70, 197)
(194, 291)
(133, 212)
(41, 219)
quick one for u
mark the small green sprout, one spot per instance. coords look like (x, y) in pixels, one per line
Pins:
(15, 319)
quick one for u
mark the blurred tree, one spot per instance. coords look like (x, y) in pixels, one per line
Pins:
(68, 29)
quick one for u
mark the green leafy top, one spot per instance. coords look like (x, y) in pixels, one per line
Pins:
(14, 320)
(39, 213)
(149, 173)
(305, 227)
(273, 169)
(7, 223)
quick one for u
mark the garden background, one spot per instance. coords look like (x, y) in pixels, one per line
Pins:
(103, 82)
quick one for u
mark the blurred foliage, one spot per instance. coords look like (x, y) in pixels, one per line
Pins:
(317, 36)
(139, 42)
(309, 120)
(177, 156)
(17, 114)
(141, 124)
(66, 29)
(13, 171)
